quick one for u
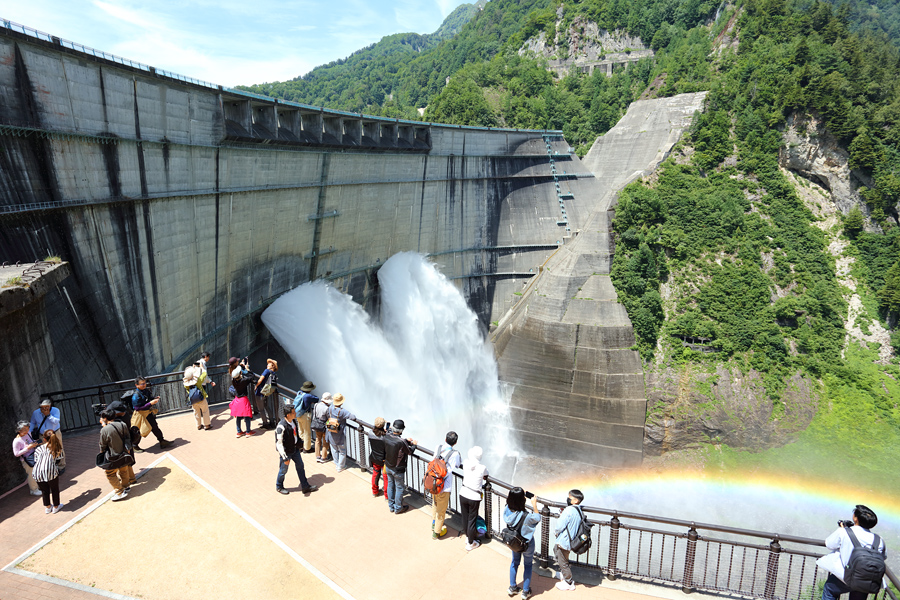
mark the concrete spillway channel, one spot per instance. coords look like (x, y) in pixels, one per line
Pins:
(183, 209)
(579, 388)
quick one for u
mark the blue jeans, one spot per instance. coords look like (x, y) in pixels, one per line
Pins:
(246, 420)
(834, 587)
(283, 469)
(514, 566)
(395, 489)
(340, 455)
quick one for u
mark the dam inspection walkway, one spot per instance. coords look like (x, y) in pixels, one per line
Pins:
(206, 509)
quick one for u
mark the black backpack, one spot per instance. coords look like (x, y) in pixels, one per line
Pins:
(865, 569)
(581, 543)
(512, 536)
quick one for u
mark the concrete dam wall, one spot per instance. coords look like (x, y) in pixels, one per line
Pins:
(184, 209)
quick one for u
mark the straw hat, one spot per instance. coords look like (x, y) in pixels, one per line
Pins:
(338, 399)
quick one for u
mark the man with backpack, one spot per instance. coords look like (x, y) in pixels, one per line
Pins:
(568, 527)
(304, 404)
(439, 482)
(857, 564)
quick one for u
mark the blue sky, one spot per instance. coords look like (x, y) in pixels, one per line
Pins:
(230, 42)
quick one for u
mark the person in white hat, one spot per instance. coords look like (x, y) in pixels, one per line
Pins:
(318, 426)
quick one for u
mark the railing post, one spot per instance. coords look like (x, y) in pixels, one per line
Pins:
(614, 525)
(772, 569)
(545, 537)
(488, 494)
(687, 583)
(363, 460)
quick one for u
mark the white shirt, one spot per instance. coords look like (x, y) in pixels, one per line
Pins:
(840, 542)
(453, 463)
(473, 479)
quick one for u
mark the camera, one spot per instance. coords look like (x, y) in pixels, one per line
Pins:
(847, 524)
(98, 408)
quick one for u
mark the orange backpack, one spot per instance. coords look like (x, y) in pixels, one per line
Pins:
(435, 473)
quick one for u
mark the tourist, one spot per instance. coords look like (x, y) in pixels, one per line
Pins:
(23, 449)
(286, 444)
(335, 425)
(515, 517)
(841, 544)
(474, 476)
(396, 455)
(376, 457)
(303, 405)
(317, 424)
(566, 530)
(122, 414)
(442, 500)
(46, 471)
(145, 410)
(268, 382)
(240, 407)
(47, 418)
(115, 440)
(195, 378)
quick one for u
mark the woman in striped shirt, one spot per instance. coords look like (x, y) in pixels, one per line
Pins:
(46, 472)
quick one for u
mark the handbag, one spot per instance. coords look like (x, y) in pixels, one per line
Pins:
(107, 461)
(269, 388)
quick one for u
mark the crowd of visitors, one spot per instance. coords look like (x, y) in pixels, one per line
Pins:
(313, 424)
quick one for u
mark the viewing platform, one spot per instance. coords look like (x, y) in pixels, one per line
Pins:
(205, 517)
(348, 544)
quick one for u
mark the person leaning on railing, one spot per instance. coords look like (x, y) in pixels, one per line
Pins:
(474, 476)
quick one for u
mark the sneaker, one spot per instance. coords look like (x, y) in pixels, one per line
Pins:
(36, 493)
(376, 494)
(199, 427)
(526, 594)
(137, 449)
(513, 590)
(47, 510)
(402, 509)
(436, 536)
(248, 433)
(566, 587)
(128, 489)
(310, 489)
(240, 434)
(164, 443)
(208, 427)
(320, 460)
(117, 497)
(472, 546)
(282, 491)
(58, 507)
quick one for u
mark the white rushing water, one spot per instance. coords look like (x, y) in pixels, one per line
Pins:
(424, 361)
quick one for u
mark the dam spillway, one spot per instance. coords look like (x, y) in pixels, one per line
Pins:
(184, 209)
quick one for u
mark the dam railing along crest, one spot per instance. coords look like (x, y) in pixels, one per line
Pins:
(673, 552)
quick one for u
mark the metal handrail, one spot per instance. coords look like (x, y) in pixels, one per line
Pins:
(735, 564)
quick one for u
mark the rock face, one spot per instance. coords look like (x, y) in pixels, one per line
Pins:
(811, 152)
(587, 48)
(687, 408)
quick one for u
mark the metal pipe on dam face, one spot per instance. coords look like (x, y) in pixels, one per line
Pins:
(185, 209)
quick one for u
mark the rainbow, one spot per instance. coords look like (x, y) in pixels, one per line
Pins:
(783, 503)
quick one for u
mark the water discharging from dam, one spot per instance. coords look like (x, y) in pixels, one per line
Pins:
(424, 360)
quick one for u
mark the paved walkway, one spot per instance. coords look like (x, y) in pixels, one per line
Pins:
(341, 530)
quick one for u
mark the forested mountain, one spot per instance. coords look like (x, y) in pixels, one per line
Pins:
(742, 262)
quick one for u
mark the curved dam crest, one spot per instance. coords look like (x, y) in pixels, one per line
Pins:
(184, 210)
